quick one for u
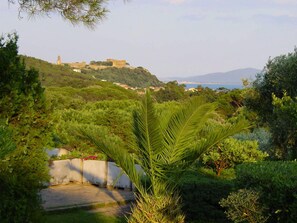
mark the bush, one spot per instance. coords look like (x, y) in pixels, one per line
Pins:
(277, 183)
(19, 183)
(243, 206)
(201, 195)
(232, 152)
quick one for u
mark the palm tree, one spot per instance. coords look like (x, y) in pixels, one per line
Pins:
(165, 147)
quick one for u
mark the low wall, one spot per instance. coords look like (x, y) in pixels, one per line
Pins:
(101, 173)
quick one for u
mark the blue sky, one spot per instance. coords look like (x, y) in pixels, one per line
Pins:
(168, 37)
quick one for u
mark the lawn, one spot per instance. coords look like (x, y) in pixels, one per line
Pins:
(81, 216)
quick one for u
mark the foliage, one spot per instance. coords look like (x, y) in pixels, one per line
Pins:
(200, 194)
(230, 102)
(137, 77)
(115, 115)
(231, 152)
(284, 127)
(101, 63)
(68, 97)
(164, 148)
(7, 146)
(243, 206)
(19, 182)
(278, 78)
(22, 105)
(22, 102)
(81, 154)
(207, 93)
(87, 12)
(261, 135)
(161, 209)
(276, 182)
(172, 91)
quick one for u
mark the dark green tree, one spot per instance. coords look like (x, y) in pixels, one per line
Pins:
(23, 111)
(209, 94)
(172, 91)
(279, 78)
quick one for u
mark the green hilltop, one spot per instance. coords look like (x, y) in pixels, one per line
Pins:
(63, 75)
(65, 86)
(136, 77)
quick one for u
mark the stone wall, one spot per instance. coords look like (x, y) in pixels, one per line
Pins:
(117, 63)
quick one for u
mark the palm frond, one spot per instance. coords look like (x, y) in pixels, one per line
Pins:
(181, 131)
(148, 137)
(216, 135)
(191, 155)
(113, 148)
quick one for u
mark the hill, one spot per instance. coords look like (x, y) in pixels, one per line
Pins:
(134, 77)
(52, 75)
(230, 77)
(66, 86)
(58, 76)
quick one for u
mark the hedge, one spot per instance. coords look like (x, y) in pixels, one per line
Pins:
(277, 183)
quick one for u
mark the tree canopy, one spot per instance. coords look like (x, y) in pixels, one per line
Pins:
(87, 12)
(274, 99)
(24, 130)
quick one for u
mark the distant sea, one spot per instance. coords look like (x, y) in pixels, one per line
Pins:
(215, 86)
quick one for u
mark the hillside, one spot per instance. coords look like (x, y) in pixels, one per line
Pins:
(65, 85)
(230, 77)
(52, 75)
(135, 77)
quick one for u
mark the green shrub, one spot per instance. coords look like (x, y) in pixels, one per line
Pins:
(23, 169)
(201, 195)
(232, 152)
(19, 182)
(277, 183)
(244, 206)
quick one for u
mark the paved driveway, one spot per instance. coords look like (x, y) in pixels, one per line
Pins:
(82, 196)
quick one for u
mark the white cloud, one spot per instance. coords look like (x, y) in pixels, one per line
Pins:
(176, 2)
(285, 2)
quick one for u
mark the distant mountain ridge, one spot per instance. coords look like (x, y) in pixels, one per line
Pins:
(230, 77)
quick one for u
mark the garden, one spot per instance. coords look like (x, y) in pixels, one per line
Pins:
(206, 156)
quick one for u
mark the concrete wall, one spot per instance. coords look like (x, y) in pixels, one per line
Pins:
(101, 173)
(95, 172)
(60, 172)
(116, 177)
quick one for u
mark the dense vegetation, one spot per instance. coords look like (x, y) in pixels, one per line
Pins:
(274, 99)
(179, 138)
(133, 77)
(25, 127)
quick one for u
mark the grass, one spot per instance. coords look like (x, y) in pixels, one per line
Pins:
(81, 216)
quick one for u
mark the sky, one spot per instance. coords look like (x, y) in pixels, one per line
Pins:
(171, 38)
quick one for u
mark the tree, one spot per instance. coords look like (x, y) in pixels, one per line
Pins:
(22, 100)
(279, 78)
(284, 126)
(88, 12)
(209, 94)
(165, 147)
(24, 128)
(231, 152)
(172, 92)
